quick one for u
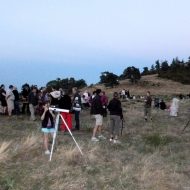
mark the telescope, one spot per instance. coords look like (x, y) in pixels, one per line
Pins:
(58, 109)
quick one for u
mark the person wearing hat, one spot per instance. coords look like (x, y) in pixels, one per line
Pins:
(10, 100)
(97, 112)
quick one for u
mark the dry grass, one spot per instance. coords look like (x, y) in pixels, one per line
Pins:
(152, 156)
(156, 85)
(30, 143)
(4, 151)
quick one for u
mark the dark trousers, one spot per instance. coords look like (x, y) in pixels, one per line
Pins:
(77, 120)
(25, 107)
(16, 108)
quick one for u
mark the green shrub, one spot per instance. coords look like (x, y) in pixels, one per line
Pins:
(157, 140)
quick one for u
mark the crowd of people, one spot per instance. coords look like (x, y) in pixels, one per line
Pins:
(33, 101)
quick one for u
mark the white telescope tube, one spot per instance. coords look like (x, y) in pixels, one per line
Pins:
(58, 110)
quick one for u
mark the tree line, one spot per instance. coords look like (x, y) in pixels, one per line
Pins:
(177, 70)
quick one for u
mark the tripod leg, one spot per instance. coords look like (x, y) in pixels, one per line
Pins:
(121, 127)
(186, 126)
(54, 135)
(71, 134)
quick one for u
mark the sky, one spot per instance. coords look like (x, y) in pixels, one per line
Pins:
(42, 40)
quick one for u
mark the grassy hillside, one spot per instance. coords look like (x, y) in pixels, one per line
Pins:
(157, 86)
(152, 156)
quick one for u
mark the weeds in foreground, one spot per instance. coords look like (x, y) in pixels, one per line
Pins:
(146, 158)
(157, 140)
(4, 151)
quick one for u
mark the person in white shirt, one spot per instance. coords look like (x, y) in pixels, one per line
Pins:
(174, 107)
(10, 100)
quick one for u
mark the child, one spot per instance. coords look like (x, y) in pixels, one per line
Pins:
(47, 125)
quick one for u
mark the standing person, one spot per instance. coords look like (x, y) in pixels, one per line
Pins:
(77, 103)
(116, 115)
(92, 97)
(174, 107)
(123, 94)
(104, 100)
(147, 107)
(16, 101)
(25, 92)
(85, 100)
(54, 96)
(10, 100)
(97, 111)
(47, 126)
(3, 99)
(33, 102)
(65, 103)
(163, 105)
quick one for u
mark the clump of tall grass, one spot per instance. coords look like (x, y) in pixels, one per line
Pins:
(157, 140)
(72, 156)
(27, 146)
(30, 142)
(146, 172)
(4, 151)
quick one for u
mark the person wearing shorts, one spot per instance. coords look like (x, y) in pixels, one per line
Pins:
(97, 112)
(47, 126)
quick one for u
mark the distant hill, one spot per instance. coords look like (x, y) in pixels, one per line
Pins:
(153, 83)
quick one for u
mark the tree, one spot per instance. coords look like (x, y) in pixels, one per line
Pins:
(145, 71)
(152, 70)
(54, 84)
(157, 66)
(80, 83)
(177, 71)
(132, 73)
(66, 83)
(164, 66)
(108, 79)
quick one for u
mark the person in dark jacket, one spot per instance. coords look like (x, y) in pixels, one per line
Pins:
(116, 115)
(77, 104)
(3, 99)
(47, 126)
(147, 107)
(104, 100)
(65, 103)
(33, 102)
(24, 94)
(163, 105)
(97, 111)
(16, 101)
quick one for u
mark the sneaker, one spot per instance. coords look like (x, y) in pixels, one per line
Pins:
(47, 152)
(111, 139)
(102, 137)
(94, 139)
(115, 141)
